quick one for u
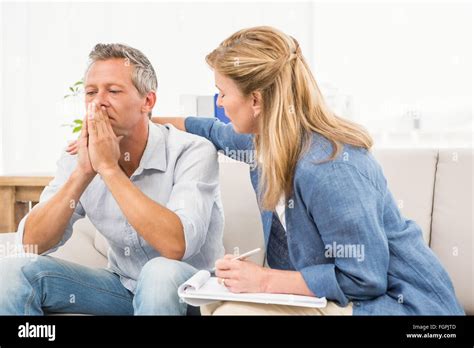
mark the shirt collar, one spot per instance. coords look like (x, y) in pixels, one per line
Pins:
(154, 156)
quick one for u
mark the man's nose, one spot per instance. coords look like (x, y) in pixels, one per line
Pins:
(100, 99)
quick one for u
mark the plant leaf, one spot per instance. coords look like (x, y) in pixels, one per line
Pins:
(77, 129)
(78, 121)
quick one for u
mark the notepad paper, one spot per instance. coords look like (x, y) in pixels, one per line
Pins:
(202, 289)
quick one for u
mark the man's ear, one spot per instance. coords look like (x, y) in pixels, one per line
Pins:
(150, 101)
(256, 102)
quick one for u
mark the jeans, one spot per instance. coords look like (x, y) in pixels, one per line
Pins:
(35, 285)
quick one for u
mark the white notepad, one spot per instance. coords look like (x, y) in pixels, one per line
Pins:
(203, 289)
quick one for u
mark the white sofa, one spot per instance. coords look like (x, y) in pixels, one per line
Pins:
(434, 187)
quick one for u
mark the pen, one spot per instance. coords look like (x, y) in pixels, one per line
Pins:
(240, 257)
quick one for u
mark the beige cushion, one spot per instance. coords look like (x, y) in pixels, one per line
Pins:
(80, 247)
(243, 226)
(452, 236)
(410, 175)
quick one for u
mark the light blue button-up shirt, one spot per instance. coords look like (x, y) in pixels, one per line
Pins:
(177, 170)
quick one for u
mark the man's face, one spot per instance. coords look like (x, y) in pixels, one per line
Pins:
(109, 83)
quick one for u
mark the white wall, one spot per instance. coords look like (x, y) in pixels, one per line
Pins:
(399, 58)
(389, 59)
(45, 48)
(1, 89)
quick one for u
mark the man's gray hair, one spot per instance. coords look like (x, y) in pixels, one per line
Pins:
(143, 75)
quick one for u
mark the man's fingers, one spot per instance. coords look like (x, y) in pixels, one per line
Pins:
(84, 128)
(107, 124)
(100, 121)
(91, 122)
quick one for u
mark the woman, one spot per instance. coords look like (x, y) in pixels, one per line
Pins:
(319, 189)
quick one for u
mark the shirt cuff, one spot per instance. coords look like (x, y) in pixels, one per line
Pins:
(321, 280)
(191, 240)
(19, 247)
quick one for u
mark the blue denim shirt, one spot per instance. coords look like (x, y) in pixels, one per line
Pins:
(340, 207)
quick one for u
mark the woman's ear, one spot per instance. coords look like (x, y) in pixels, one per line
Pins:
(150, 101)
(256, 103)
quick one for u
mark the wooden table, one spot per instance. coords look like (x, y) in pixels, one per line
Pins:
(18, 194)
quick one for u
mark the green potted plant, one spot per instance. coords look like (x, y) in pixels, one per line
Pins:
(74, 105)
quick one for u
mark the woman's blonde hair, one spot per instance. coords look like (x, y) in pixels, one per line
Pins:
(266, 60)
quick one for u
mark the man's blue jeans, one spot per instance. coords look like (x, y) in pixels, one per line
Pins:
(34, 285)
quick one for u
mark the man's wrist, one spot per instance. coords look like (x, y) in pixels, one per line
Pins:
(82, 176)
(110, 171)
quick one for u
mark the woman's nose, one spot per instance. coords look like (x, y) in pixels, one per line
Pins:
(219, 102)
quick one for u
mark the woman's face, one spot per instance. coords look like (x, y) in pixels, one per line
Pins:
(241, 110)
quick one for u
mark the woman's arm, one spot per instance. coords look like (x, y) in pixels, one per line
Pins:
(347, 208)
(222, 135)
(285, 282)
(246, 276)
(177, 122)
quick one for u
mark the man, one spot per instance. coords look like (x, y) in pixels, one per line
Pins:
(151, 190)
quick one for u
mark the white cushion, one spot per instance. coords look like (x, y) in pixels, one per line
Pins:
(410, 175)
(452, 237)
(80, 247)
(243, 225)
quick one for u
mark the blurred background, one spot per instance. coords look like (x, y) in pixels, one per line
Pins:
(402, 69)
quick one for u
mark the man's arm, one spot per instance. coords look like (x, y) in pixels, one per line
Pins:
(158, 225)
(46, 223)
(178, 230)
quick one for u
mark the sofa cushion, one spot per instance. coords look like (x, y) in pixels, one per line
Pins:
(243, 225)
(80, 247)
(453, 222)
(410, 175)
